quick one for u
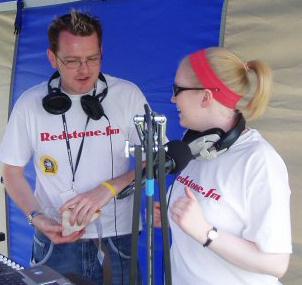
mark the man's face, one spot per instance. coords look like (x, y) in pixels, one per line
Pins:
(78, 60)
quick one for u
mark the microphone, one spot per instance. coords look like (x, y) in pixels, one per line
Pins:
(178, 155)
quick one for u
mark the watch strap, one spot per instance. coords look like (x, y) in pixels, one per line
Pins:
(209, 240)
(31, 215)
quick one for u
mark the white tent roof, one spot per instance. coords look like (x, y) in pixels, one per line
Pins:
(12, 5)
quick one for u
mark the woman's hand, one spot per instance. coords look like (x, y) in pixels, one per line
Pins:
(187, 213)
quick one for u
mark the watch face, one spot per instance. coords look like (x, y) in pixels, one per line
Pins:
(212, 234)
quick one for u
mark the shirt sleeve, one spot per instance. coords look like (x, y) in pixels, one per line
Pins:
(268, 203)
(16, 147)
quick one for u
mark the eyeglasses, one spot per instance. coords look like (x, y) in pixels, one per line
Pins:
(177, 89)
(77, 63)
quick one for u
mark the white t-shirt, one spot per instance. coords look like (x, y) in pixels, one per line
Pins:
(33, 132)
(245, 192)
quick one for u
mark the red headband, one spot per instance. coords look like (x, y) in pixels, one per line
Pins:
(208, 78)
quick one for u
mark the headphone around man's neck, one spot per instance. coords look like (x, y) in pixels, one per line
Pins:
(210, 143)
(56, 102)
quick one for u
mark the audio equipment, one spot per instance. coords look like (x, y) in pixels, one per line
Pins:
(9, 274)
(177, 156)
(210, 143)
(56, 102)
(12, 273)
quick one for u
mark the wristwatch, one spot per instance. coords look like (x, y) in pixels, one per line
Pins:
(31, 215)
(212, 234)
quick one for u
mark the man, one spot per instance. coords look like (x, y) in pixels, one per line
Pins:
(77, 146)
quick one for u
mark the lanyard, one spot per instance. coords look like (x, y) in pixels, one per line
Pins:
(73, 168)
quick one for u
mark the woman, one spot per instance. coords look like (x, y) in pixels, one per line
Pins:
(229, 208)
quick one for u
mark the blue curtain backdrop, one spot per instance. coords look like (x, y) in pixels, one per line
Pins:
(143, 42)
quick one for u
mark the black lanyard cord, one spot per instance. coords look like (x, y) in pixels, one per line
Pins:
(73, 168)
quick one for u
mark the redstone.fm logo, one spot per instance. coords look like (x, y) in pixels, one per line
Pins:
(211, 193)
(46, 137)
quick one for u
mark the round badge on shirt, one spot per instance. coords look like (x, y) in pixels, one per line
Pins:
(48, 165)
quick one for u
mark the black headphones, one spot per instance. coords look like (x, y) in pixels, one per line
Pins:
(56, 102)
(214, 140)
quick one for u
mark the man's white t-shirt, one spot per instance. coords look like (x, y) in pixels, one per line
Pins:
(244, 192)
(34, 133)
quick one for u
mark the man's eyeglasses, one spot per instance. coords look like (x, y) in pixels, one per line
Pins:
(177, 89)
(77, 63)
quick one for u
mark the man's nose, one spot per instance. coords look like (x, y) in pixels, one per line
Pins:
(84, 66)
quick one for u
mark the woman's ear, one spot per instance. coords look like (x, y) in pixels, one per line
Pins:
(206, 98)
(52, 58)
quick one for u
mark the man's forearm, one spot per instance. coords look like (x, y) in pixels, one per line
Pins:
(120, 182)
(18, 188)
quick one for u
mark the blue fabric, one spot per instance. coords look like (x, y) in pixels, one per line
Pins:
(143, 42)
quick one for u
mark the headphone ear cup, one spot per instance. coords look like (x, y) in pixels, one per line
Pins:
(56, 102)
(92, 107)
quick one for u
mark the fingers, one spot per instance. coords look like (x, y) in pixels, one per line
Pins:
(54, 228)
(177, 213)
(70, 203)
(181, 207)
(157, 214)
(72, 237)
(182, 203)
(189, 193)
(87, 218)
(59, 239)
(185, 202)
(156, 205)
(46, 224)
(82, 213)
(78, 213)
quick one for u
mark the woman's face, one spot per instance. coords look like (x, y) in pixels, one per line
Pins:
(188, 102)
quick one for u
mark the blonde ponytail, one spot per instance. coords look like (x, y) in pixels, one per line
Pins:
(235, 74)
(258, 103)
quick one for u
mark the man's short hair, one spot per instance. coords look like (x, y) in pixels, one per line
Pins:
(76, 23)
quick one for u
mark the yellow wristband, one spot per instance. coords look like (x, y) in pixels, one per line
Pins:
(111, 188)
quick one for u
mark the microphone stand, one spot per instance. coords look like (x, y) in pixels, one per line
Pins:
(149, 193)
(163, 201)
(152, 140)
(136, 214)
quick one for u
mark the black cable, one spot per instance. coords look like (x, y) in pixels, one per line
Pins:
(114, 199)
(168, 203)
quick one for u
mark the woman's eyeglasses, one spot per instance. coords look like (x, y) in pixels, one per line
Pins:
(177, 89)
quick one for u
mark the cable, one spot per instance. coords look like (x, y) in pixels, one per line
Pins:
(115, 205)
(170, 194)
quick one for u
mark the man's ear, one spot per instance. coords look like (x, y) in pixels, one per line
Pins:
(52, 58)
(206, 98)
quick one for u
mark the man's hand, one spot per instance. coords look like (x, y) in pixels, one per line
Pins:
(85, 205)
(53, 230)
